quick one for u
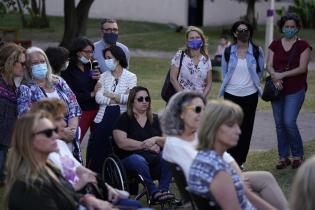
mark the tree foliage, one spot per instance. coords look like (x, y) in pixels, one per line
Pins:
(306, 10)
(36, 9)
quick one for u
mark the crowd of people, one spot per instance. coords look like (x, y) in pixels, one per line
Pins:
(50, 99)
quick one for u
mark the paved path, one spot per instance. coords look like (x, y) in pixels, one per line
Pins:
(264, 133)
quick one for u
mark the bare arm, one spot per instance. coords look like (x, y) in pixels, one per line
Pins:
(173, 78)
(209, 84)
(302, 68)
(223, 190)
(271, 70)
(126, 143)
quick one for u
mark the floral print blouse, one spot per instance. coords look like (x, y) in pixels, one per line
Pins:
(30, 92)
(192, 77)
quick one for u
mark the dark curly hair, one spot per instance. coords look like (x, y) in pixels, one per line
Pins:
(289, 16)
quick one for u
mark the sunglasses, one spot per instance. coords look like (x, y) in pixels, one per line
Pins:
(48, 132)
(242, 30)
(196, 109)
(141, 98)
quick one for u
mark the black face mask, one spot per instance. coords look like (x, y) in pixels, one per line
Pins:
(243, 36)
(110, 38)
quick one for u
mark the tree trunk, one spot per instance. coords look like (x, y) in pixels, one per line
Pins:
(250, 14)
(75, 20)
(34, 7)
(24, 22)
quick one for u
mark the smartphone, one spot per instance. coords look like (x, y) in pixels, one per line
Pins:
(95, 65)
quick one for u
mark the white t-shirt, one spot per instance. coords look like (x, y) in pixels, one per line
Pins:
(53, 94)
(183, 152)
(241, 83)
(65, 161)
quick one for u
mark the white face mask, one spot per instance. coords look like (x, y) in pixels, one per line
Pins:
(65, 66)
(84, 60)
(111, 64)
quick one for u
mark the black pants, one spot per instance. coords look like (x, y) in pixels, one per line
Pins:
(99, 146)
(248, 105)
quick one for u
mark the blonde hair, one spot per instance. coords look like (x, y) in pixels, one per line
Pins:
(217, 113)
(53, 106)
(303, 188)
(204, 47)
(22, 163)
(28, 75)
(9, 56)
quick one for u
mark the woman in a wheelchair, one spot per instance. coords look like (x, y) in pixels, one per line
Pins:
(136, 134)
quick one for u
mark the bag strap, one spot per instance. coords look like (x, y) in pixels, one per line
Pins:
(180, 62)
(293, 52)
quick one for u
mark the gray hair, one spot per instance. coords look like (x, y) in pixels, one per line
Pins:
(28, 75)
(171, 123)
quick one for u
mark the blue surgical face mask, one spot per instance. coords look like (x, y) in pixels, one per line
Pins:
(84, 60)
(195, 44)
(289, 32)
(110, 64)
(110, 38)
(39, 71)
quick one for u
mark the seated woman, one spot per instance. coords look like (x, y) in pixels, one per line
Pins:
(135, 127)
(70, 168)
(180, 122)
(209, 174)
(40, 83)
(32, 182)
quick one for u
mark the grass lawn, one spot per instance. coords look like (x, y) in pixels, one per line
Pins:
(142, 35)
(151, 71)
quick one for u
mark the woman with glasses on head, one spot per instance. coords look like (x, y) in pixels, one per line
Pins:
(40, 83)
(82, 78)
(33, 182)
(112, 97)
(136, 134)
(242, 67)
(195, 72)
(288, 59)
(12, 67)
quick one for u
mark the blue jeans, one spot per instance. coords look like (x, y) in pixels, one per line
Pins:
(285, 113)
(137, 163)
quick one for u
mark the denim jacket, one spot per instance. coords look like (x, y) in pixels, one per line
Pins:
(229, 68)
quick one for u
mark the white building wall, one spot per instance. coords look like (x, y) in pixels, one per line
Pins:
(221, 12)
(165, 11)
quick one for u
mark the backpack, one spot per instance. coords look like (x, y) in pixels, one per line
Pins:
(227, 53)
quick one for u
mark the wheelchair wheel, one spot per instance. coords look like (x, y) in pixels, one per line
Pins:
(113, 173)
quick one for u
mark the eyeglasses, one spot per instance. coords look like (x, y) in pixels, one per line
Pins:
(141, 98)
(196, 109)
(48, 132)
(115, 30)
(240, 30)
(115, 84)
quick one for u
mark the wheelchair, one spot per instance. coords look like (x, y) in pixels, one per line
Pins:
(115, 175)
(197, 202)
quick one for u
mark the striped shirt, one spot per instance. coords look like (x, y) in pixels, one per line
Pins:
(121, 86)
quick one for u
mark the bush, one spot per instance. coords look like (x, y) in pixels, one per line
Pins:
(306, 10)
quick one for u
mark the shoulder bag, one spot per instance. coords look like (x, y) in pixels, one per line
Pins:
(270, 92)
(168, 90)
